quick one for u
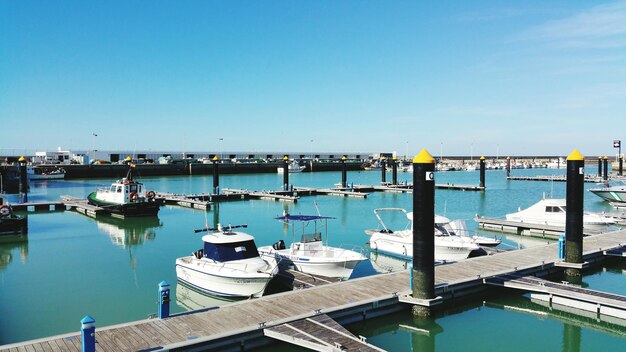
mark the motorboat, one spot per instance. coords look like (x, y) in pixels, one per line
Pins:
(448, 247)
(45, 173)
(311, 255)
(615, 194)
(12, 226)
(552, 212)
(292, 167)
(126, 197)
(228, 265)
(447, 227)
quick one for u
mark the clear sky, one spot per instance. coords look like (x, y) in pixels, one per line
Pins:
(479, 77)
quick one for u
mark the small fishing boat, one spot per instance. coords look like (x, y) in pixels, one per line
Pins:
(399, 243)
(228, 265)
(126, 197)
(553, 212)
(45, 173)
(615, 194)
(311, 254)
(11, 226)
(292, 167)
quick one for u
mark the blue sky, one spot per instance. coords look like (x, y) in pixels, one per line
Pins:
(479, 77)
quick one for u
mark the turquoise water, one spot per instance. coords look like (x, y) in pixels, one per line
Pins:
(73, 265)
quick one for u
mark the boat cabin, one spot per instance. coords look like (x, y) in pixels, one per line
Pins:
(123, 191)
(228, 246)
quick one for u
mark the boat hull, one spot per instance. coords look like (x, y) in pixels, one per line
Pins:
(10, 226)
(610, 195)
(144, 208)
(443, 251)
(216, 281)
(324, 265)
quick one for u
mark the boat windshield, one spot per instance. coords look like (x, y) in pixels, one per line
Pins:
(311, 237)
(225, 252)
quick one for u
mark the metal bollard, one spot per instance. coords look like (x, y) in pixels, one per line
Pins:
(88, 334)
(164, 300)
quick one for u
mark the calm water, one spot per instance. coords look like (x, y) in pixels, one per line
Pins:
(73, 265)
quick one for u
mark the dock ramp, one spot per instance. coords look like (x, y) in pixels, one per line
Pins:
(571, 296)
(319, 333)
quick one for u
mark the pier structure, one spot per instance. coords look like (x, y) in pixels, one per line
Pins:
(242, 325)
(394, 171)
(482, 172)
(216, 176)
(344, 172)
(600, 167)
(605, 176)
(23, 180)
(575, 189)
(285, 173)
(383, 170)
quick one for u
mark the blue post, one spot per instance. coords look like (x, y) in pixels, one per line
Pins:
(562, 247)
(88, 333)
(164, 300)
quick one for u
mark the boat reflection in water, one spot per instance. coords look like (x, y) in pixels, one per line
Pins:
(129, 232)
(7, 250)
(191, 299)
(385, 263)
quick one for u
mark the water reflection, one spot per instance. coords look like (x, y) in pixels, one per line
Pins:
(191, 299)
(129, 232)
(7, 251)
(384, 264)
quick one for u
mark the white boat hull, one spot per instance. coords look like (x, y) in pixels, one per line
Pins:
(221, 280)
(403, 247)
(325, 262)
(41, 177)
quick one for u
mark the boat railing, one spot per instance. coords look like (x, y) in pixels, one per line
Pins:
(346, 247)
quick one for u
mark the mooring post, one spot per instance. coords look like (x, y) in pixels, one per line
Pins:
(383, 170)
(394, 171)
(508, 166)
(285, 173)
(216, 176)
(423, 279)
(561, 247)
(344, 172)
(621, 163)
(23, 180)
(88, 334)
(164, 300)
(600, 163)
(605, 176)
(574, 215)
(482, 171)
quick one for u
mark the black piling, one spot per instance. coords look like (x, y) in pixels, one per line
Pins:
(383, 170)
(216, 176)
(621, 163)
(423, 278)
(599, 166)
(482, 171)
(344, 172)
(286, 173)
(605, 176)
(394, 171)
(574, 215)
(23, 180)
(508, 166)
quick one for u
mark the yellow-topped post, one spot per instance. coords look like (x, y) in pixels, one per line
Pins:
(508, 166)
(286, 173)
(23, 186)
(394, 171)
(423, 270)
(599, 166)
(344, 172)
(216, 175)
(574, 215)
(482, 172)
(383, 170)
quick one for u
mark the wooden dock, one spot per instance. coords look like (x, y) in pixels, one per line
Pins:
(81, 205)
(184, 200)
(344, 192)
(523, 228)
(286, 196)
(242, 324)
(39, 206)
(298, 280)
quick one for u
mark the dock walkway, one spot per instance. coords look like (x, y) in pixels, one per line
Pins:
(232, 325)
(524, 228)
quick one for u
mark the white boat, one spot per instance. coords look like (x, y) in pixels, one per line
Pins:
(292, 167)
(553, 211)
(615, 194)
(399, 243)
(444, 225)
(45, 173)
(311, 255)
(228, 265)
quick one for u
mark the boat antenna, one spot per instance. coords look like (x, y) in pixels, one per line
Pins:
(317, 208)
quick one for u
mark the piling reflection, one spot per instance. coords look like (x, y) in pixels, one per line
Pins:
(8, 250)
(571, 338)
